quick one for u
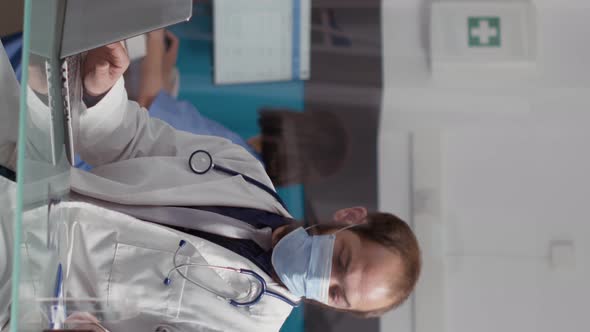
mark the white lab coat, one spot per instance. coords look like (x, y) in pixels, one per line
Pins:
(8, 101)
(120, 259)
(144, 161)
(113, 256)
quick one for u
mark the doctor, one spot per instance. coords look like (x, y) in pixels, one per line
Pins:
(195, 242)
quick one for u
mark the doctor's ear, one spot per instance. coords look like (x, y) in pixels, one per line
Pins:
(350, 216)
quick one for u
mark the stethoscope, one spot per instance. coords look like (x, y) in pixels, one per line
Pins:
(201, 162)
(263, 286)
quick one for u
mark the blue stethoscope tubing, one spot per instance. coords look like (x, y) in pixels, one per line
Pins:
(209, 165)
(263, 286)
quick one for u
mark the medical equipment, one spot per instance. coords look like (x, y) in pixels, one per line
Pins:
(201, 162)
(249, 273)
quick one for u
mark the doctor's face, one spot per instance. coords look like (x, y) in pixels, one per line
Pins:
(363, 272)
(375, 264)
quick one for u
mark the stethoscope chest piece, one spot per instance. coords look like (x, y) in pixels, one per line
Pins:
(200, 162)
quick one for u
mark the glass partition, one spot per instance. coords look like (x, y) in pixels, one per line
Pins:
(56, 35)
(296, 83)
(51, 92)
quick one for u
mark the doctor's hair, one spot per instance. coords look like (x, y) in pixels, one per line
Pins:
(301, 147)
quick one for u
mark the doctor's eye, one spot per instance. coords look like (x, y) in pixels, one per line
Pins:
(335, 294)
(340, 264)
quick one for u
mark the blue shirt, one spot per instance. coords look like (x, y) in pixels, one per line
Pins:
(13, 45)
(184, 116)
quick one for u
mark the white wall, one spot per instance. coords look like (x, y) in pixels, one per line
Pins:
(508, 194)
(498, 172)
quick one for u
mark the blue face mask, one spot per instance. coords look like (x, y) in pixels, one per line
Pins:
(304, 263)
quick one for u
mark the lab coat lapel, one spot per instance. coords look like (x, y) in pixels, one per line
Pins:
(190, 218)
(186, 189)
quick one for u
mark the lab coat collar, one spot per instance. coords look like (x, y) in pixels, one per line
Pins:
(214, 193)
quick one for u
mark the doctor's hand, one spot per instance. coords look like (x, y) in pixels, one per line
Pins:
(152, 80)
(102, 68)
(158, 66)
(83, 321)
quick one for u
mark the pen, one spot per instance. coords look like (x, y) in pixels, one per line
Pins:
(57, 310)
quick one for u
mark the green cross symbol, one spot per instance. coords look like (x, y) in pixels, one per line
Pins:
(484, 31)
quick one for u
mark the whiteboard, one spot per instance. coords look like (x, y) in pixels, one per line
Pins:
(261, 40)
